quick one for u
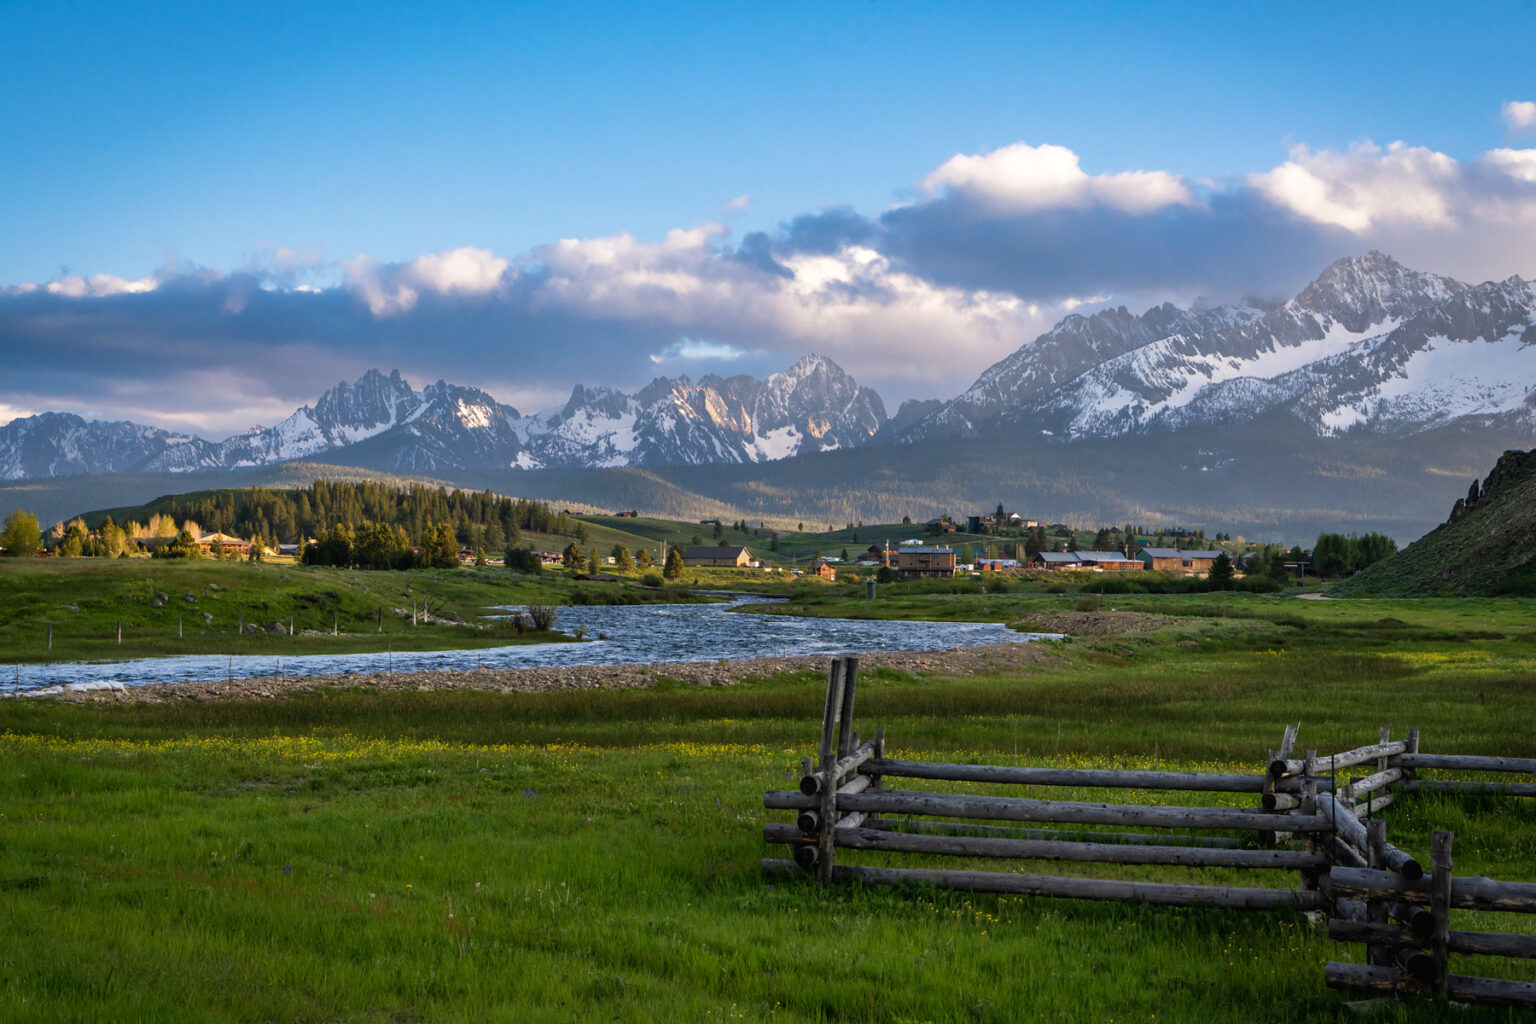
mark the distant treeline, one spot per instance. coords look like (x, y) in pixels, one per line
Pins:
(475, 518)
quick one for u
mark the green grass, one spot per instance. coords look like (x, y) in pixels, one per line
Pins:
(458, 856)
(84, 599)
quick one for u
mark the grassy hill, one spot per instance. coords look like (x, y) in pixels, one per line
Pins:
(1486, 548)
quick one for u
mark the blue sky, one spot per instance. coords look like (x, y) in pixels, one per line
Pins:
(174, 144)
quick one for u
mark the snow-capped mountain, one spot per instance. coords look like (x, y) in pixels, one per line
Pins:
(381, 422)
(1370, 345)
(812, 406)
(63, 444)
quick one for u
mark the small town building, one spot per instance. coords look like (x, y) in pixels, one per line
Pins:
(226, 544)
(878, 555)
(1055, 560)
(732, 556)
(1174, 560)
(1109, 561)
(924, 562)
(824, 568)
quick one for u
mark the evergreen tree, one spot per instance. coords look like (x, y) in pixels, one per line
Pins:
(643, 559)
(1221, 574)
(622, 559)
(572, 557)
(674, 567)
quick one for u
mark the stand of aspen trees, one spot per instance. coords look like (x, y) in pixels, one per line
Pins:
(1316, 816)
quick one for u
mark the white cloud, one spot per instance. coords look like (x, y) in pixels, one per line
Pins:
(1364, 186)
(1022, 178)
(740, 204)
(698, 348)
(99, 286)
(394, 288)
(1516, 163)
(1520, 115)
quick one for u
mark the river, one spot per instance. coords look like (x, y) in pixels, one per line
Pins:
(615, 635)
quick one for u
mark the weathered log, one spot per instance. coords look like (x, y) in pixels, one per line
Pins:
(1466, 893)
(1417, 964)
(1487, 991)
(1418, 919)
(1466, 762)
(826, 763)
(808, 822)
(1374, 803)
(1203, 782)
(1341, 852)
(1279, 801)
(1440, 887)
(1353, 832)
(1491, 788)
(1330, 763)
(1475, 943)
(1037, 849)
(1235, 897)
(893, 801)
(806, 855)
(847, 739)
(811, 784)
(965, 828)
(1371, 783)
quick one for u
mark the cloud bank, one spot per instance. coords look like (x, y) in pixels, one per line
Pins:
(916, 300)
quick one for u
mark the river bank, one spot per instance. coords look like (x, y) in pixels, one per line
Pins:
(952, 663)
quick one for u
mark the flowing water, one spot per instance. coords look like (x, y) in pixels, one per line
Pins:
(615, 635)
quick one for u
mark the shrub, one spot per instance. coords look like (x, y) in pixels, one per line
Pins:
(542, 616)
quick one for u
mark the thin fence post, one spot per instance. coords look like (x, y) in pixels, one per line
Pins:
(50, 636)
(826, 841)
(290, 623)
(1440, 906)
(178, 626)
(119, 632)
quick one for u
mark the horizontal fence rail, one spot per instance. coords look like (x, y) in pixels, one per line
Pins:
(1001, 808)
(1237, 897)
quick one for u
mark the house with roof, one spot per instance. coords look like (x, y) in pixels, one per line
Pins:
(227, 544)
(1174, 560)
(1108, 561)
(924, 562)
(1055, 560)
(824, 568)
(731, 556)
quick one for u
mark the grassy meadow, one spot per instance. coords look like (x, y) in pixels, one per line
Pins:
(85, 599)
(461, 856)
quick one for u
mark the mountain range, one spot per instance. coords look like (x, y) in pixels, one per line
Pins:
(1373, 360)
(382, 422)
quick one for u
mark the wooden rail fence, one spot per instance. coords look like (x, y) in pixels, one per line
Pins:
(1307, 819)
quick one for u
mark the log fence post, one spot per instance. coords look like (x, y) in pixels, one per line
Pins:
(1440, 906)
(847, 739)
(178, 625)
(119, 632)
(50, 636)
(1309, 808)
(827, 765)
(1376, 908)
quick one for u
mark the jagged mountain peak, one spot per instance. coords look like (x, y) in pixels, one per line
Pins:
(1361, 291)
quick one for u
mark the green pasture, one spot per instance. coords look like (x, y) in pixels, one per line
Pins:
(85, 600)
(459, 856)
